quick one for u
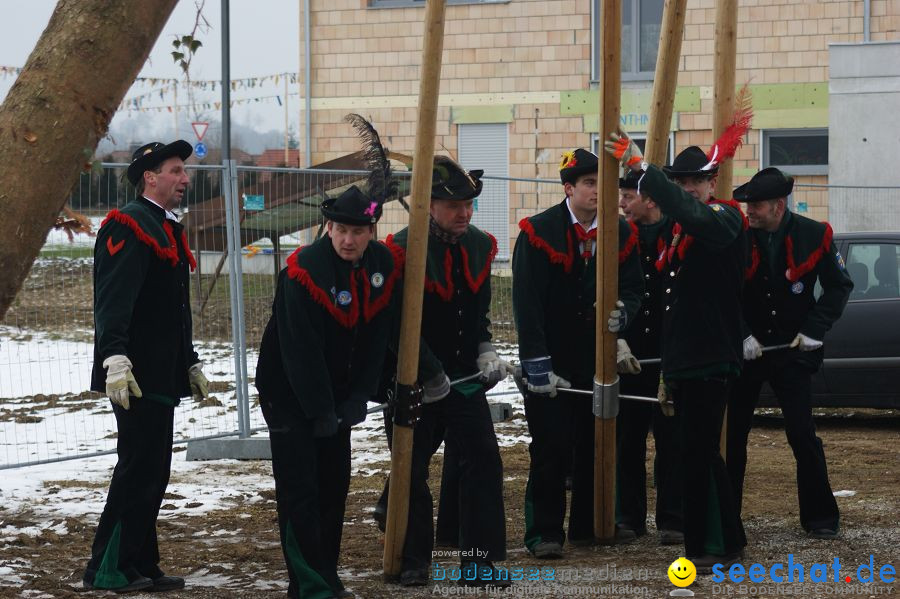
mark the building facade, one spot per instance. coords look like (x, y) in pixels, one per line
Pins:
(519, 77)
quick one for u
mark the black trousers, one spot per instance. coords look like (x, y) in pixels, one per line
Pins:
(562, 443)
(712, 523)
(447, 529)
(312, 477)
(468, 426)
(634, 422)
(125, 545)
(790, 379)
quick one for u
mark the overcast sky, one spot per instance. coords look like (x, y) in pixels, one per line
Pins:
(264, 41)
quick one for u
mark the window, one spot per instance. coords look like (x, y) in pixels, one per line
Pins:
(875, 270)
(641, 24)
(486, 146)
(796, 151)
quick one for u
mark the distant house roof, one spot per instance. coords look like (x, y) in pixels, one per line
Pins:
(275, 157)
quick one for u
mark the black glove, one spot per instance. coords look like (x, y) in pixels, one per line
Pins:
(352, 410)
(325, 425)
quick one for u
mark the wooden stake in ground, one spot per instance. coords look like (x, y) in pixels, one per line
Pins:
(607, 264)
(723, 108)
(414, 285)
(665, 81)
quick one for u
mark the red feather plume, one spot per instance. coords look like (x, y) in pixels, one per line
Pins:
(733, 136)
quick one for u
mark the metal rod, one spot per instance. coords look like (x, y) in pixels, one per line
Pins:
(649, 361)
(382, 406)
(307, 65)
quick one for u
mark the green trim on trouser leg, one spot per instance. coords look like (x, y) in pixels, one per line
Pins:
(312, 585)
(532, 538)
(714, 543)
(108, 575)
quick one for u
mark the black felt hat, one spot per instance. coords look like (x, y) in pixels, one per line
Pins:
(630, 180)
(576, 163)
(450, 181)
(149, 155)
(353, 207)
(768, 184)
(691, 162)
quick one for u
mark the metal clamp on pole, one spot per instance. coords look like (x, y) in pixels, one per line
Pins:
(407, 404)
(606, 399)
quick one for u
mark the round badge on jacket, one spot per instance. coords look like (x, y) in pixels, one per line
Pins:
(377, 279)
(797, 288)
(344, 298)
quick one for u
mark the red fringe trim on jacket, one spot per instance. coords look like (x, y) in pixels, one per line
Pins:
(754, 262)
(169, 254)
(373, 308)
(301, 275)
(555, 256)
(630, 244)
(475, 284)
(796, 271)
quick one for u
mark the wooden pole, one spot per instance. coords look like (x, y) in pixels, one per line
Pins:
(607, 269)
(723, 108)
(665, 81)
(414, 286)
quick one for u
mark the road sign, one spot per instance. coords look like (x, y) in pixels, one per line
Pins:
(200, 149)
(200, 129)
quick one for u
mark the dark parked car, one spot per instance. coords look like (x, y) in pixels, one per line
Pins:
(862, 350)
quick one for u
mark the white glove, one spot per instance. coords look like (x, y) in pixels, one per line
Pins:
(436, 389)
(493, 369)
(665, 399)
(119, 380)
(752, 348)
(541, 378)
(626, 363)
(199, 384)
(618, 318)
(804, 343)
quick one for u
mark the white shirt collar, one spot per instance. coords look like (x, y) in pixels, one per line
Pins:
(574, 220)
(169, 214)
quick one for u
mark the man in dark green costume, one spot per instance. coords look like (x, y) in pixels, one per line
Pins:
(320, 362)
(703, 267)
(144, 360)
(456, 342)
(554, 290)
(789, 255)
(637, 418)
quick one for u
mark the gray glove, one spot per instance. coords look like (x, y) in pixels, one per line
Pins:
(618, 318)
(665, 399)
(493, 369)
(120, 382)
(436, 388)
(199, 384)
(752, 348)
(626, 363)
(325, 425)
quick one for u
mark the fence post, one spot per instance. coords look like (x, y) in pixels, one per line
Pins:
(236, 289)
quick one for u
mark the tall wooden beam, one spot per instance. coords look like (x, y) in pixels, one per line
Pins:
(414, 285)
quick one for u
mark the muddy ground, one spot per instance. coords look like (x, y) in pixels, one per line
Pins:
(862, 448)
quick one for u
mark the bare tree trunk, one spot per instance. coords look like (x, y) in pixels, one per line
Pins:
(58, 110)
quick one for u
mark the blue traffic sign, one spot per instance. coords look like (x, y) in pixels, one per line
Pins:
(200, 149)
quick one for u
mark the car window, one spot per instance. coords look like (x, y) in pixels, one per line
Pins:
(875, 270)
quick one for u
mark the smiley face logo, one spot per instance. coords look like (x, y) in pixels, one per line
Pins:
(682, 572)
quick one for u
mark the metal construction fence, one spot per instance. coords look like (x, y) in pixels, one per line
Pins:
(242, 224)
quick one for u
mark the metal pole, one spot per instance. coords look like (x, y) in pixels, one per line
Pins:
(867, 17)
(232, 286)
(226, 85)
(308, 77)
(243, 383)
